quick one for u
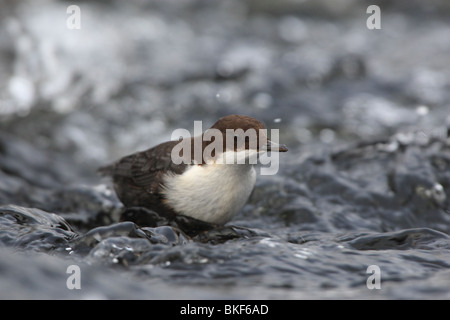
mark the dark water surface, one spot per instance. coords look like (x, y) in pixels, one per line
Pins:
(365, 114)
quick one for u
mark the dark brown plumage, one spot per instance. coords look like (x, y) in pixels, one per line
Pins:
(137, 178)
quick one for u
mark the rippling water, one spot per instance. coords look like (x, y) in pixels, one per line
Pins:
(365, 114)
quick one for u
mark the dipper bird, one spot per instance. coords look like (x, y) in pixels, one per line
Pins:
(208, 186)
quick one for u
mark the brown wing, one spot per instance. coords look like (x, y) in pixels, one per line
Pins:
(137, 178)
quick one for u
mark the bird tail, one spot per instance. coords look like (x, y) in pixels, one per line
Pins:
(106, 170)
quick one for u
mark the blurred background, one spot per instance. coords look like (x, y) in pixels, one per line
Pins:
(74, 99)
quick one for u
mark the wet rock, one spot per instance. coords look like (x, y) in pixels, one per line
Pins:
(403, 182)
(419, 238)
(143, 217)
(31, 275)
(124, 244)
(166, 235)
(192, 228)
(225, 233)
(366, 181)
(34, 229)
(376, 185)
(149, 218)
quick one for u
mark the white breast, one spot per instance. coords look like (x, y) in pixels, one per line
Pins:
(213, 193)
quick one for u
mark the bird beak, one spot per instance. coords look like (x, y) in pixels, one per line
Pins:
(272, 146)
